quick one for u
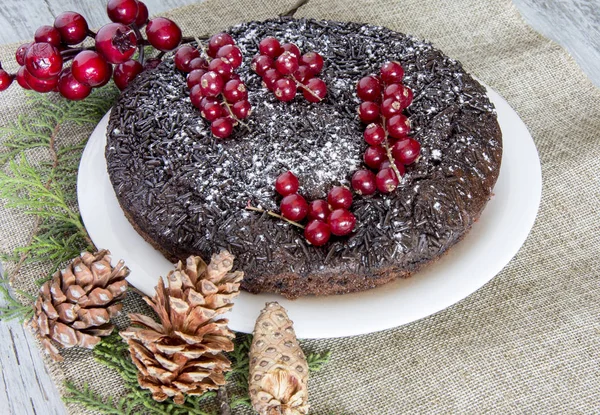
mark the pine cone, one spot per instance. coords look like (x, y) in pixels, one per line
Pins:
(278, 368)
(183, 353)
(74, 308)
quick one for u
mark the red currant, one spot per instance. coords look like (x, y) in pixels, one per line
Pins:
(339, 197)
(71, 88)
(72, 26)
(287, 184)
(43, 61)
(40, 85)
(241, 109)
(341, 222)
(270, 78)
(122, 11)
(369, 89)
(126, 72)
(398, 126)
(374, 134)
(313, 60)
(406, 151)
(142, 16)
(390, 107)
(197, 97)
(368, 111)
(184, 55)
(222, 67)
(386, 164)
(400, 93)
(374, 156)
(116, 42)
(21, 52)
(287, 63)
(285, 89)
(315, 90)
(270, 46)
(213, 110)
(20, 78)
(235, 91)
(407, 97)
(294, 207)
(204, 101)
(317, 233)
(217, 41)
(261, 63)
(303, 74)
(194, 77)
(90, 68)
(222, 127)
(211, 84)
(391, 72)
(48, 34)
(5, 80)
(198, 63)
(363, 182)
(232, 53)
(163, 34)
(386, 180)
(318, 209)
(292, 48)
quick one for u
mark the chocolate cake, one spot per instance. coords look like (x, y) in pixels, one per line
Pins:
(185, 191)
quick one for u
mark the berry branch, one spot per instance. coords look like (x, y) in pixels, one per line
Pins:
(275, 215)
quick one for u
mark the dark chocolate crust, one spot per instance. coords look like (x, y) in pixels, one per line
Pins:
(185, 191)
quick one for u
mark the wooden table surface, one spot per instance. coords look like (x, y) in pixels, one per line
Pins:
(25, 386)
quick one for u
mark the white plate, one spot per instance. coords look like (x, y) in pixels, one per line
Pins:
(486, 249)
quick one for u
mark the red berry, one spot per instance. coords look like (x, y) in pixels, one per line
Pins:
(292, 48)
(363, 182)
(374, 156)
(317, 233)
(339, 197)
(318, 209)
(116, 42)
(270, 46)
(71, 88)
(5, 80)
(287, 184)
(235, 91)
(303, 74)
(72, 26)
(287, 63)
(213, 110)
(400, 93)
(398, 126)
(406, 151)
(20, 77)
(317, 87)
(40, 85)
(293, 207)
(285, 89)
(368, 111)
(390, 107)
(391, 72)
(198, 63)
(341, 222)
(261, 63)
(374, 134)
(184, 55)
(222, 127)
(90, 68)
(313, 60)
(241, 109)
(142, 16)
(21, 52)
(217, 41)
(232, 53)
(386, 180)
(270, 78)
(211, 84)
(48, 34)
(386, 164)
(151, 63)
(222, 67)
(194, 77)
(163, 34)
(122, 11)
(126, 72)
(196, 96)
(407, 97)
(205, 101)
(43, 61)
(369, 89)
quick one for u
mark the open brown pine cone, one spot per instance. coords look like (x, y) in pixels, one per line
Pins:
(183, 354)
(74, 308)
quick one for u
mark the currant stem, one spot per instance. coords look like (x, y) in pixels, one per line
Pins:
(301, 85)
(140, 39)
(91, 34)
(275, 215)
(237, 120)
(388, 151)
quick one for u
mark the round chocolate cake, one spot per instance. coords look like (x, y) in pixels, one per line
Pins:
(185, 191)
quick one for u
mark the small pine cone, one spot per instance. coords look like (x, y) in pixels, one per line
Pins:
(183, 353)
(74, 308)
(278, 382)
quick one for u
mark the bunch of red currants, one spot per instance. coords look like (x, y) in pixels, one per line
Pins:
(215, 89)
(390, 148)
(43, 61)
(325, 217)
(284, 69)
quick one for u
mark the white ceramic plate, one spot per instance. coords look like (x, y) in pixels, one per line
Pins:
(486, 249)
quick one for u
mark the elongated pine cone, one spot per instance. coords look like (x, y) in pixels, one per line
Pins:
(74, 308)
(183, 354)
(278, 382)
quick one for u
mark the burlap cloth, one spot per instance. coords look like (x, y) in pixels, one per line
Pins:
(527, 342)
